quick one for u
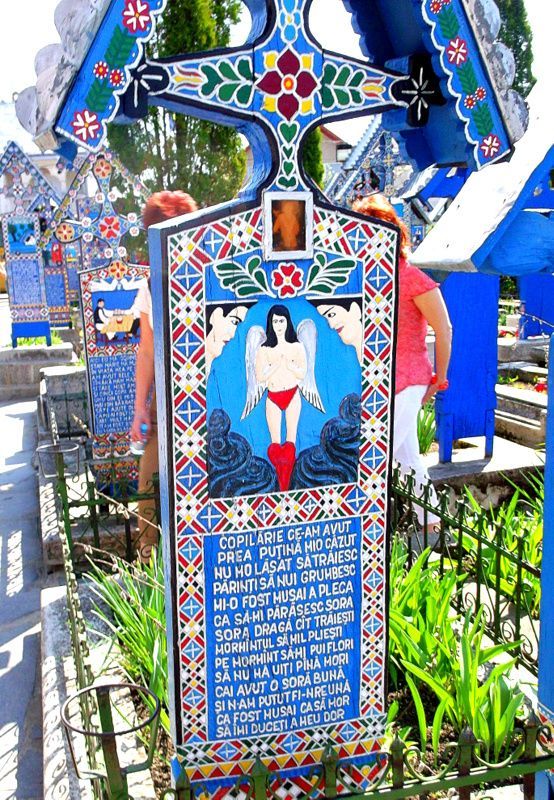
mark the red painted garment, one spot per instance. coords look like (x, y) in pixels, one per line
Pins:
(413, 367)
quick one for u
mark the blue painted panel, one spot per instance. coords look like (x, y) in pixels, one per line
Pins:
(248, 559)
(112, 383)
(526, 246)
(537, 294)
(546, 643)
(467, 408)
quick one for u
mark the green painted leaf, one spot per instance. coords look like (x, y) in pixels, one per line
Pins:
(244, 68)
(448, 22)
(226, 69)
(243, 95)
(226, 92)
(356, 96)
(288, 167)
(483, 120)
(213, 79)
(327, 99)
(287, 151)
(357, 78)
(243, 280)
(343, 98)
(286, 183)
(119, 48)
(99, 96)
(468, 81)
(329, 73)
(342, 77)
(324, 276)
(288, 131)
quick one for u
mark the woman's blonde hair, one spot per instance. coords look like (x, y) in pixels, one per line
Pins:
(377, 205)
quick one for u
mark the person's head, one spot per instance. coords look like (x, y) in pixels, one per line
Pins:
(166, 205)
(345, 319)
(279, 325)
(100, 302)
(223, 323)
(377, 205)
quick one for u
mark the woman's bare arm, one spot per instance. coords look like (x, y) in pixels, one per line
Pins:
(144, 376)
(433, 308)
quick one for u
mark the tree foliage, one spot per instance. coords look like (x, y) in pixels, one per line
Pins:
(312, 158)
(516, 34)
(172, 150)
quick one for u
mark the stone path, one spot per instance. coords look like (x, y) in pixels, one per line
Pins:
(20, 584)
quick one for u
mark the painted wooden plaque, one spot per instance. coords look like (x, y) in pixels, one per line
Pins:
(277, 378)
(25, 273)
(111, 327)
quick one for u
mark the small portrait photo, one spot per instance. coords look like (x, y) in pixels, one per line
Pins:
(288, 225)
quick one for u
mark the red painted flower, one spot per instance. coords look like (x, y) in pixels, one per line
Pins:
(101, 70)
(102, 168)
(287, 279)
(490, 145)
(480, 93)
(541, 387)
(65, 232)
(290, 88)
(110, 228)
(117, 77)
(470, 101)
(85, 125)
(435, 6)
(136, 16)
(118, 269)
(457, 51)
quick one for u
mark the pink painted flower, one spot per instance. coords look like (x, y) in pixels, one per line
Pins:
(85, 125)
(136, 16)
(490, 145)
(457, 51)
(480, 93)
(101, 70)
(470, 101)
(116, 77)
(287, 279)
(289, 86)
(110, 228)
(541, 387)
(435, 6)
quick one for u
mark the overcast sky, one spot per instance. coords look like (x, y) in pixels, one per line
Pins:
(28, 25)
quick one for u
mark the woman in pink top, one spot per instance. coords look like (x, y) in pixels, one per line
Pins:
(420, 304)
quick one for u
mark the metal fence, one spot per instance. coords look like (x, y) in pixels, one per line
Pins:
(465, 541)
(492, 576)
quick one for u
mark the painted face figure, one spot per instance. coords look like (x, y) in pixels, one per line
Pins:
(223, 329)
(279, 325)
(347, 322)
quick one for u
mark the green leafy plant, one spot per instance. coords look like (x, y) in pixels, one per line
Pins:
(487, 703)
(426, 427)
(134, 595)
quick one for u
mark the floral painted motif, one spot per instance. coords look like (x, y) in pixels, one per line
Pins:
(65, 232)
(480, 93)
(490, 145)
(102, 168)
(136, 16)
(470, 101)
(110, 228)
(118, 269)
(117, 76)
(457, 51)
(290, 22)
(85, 125)
(287, 279)
(101, 70)
(289, 88)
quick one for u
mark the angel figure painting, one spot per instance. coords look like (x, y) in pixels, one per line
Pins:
(280, 363)
(283, 404)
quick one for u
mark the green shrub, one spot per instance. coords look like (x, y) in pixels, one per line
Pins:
(426, 427)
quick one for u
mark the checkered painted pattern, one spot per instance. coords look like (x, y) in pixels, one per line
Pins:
(196, 514)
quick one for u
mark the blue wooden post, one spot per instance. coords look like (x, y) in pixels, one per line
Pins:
(467, 408)
(537, 295)
(545, 787)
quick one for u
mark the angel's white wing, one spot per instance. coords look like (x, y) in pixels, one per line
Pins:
(307, 335)
(254, 390)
